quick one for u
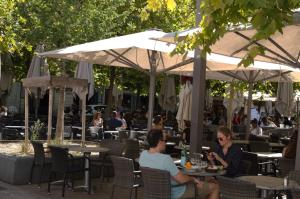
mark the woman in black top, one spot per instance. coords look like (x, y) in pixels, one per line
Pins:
(227, 154)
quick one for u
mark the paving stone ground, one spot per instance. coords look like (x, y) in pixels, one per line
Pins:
(100, 191)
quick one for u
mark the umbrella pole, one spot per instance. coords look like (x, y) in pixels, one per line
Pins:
(198, 101)
(59, 135)
(151, 96)
(50, 115)
(83, 114)
(26, 144)
(297, 161)
(249, 103)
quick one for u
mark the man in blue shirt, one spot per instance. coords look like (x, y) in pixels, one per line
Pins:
(153, 158)
(114, 122)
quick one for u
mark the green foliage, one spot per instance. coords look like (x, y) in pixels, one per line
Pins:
(219, 16)
(36, 129)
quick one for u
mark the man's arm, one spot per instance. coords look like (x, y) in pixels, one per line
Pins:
(181, 178)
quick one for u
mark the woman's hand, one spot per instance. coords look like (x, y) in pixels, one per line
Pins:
(216, 156)
(210, 156)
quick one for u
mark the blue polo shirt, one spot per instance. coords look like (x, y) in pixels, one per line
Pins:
(162, 162)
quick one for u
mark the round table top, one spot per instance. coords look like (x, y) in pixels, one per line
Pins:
(202, 172)
(90, 149)
(188, 147)
(269, 182)
(268, 155)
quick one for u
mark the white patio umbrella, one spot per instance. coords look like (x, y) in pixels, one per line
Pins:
(136, 51)
(285, 98)
(38, 67)
(279, 48)
(185, 104)
(84, 70)
(259, 71)
(167, 95)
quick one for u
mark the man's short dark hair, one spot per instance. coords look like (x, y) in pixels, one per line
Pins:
(156, 119)
(154, 136)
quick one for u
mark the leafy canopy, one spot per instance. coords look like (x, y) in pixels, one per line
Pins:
(219, 16)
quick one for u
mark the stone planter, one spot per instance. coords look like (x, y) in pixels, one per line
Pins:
(15, 169)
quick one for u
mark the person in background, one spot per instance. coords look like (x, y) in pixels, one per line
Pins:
(290, 150)
(124, 123)
(113, 122)
(3, 111)
(158, 123)
(255, 129)
(227, 154)
(266, 122)
(155, 159)
(186, 132)
(97, 120)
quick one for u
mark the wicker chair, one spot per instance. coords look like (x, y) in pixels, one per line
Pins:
(252, 158)
(64, 163)
(132, 149)
(157, 184)
(295, 193)
(104, 161)
(236, 189)
(39, 160)
(285, 166)
(125, 175)
(295, 175)
(259, 146)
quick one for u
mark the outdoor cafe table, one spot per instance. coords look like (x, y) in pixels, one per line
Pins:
(15, 127)
(115, 134)
(202, 172)
(268, 183)
(268, 155)
(87, 152)
(188, 147)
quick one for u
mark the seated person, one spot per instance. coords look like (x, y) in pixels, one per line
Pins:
(265, 122)
(186, 132)
(158, 123)
(290, 150)
(255, 129)
(97, 120)
(227, 154)
(114, 122)
(153, 158)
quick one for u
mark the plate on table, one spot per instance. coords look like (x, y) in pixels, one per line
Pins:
(212, 169)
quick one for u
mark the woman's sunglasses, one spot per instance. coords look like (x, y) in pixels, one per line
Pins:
(220, 139)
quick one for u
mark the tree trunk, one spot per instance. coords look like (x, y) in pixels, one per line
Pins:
(112, 78)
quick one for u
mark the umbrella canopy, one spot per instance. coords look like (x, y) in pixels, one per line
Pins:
(231, 71)
(38, 67)
(285, 98)
(134, 51)
(279, 48)
(84, 70)
(167, 96)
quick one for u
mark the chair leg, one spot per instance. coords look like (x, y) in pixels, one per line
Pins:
(64, 184)
(41, 174)
(31, 173)
(135, 193)
(49, 182)
(130, 194)
(90, 183)
(112, 193)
